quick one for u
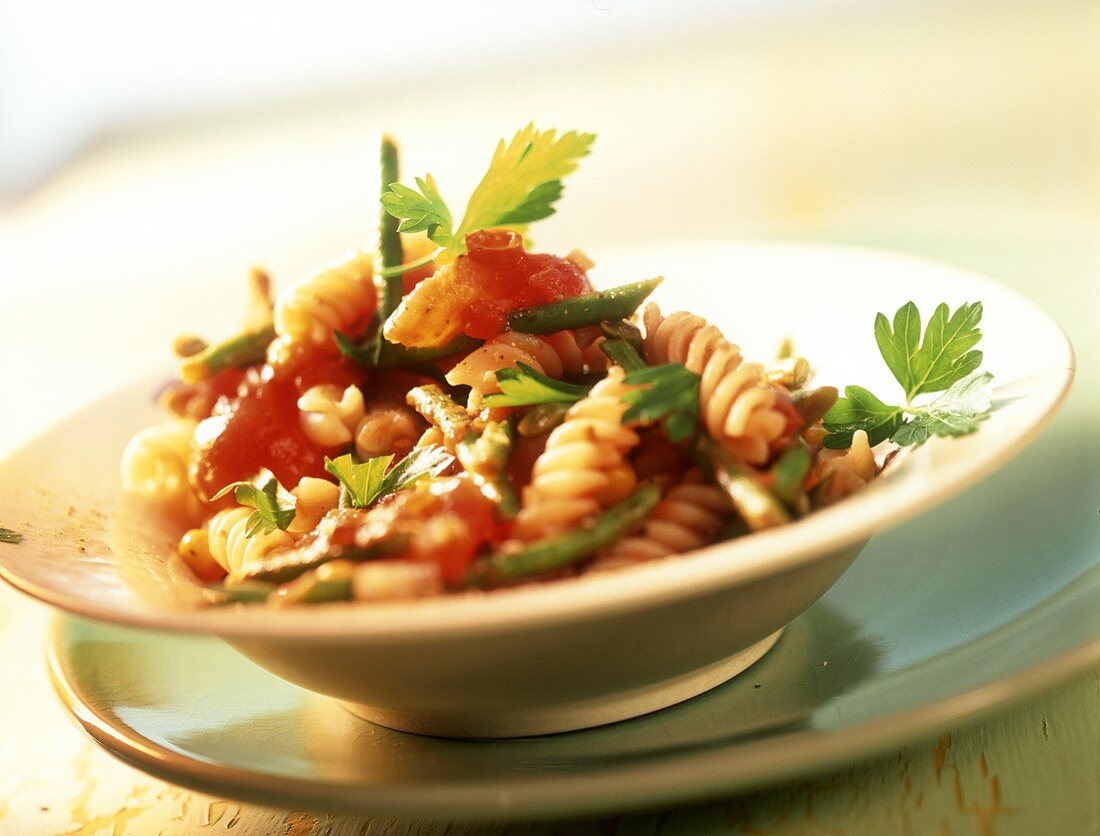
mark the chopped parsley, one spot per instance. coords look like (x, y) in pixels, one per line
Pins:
(364, 483)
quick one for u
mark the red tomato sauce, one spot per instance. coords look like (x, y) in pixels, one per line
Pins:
(260, 428)
(507, 278)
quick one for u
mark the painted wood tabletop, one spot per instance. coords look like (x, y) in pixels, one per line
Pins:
(1032, 770)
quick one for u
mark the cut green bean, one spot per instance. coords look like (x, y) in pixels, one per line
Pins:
(440, 410)
(386, 355)
(622, 330)
(622, 353)
(544, 556)
(240, 351)
(485, 457)
(758, 507)
(288, 565)
(542, 418)
(812, 404)
(330, 582)
(589, 309)
(240, 592)
(390, 251)
(788, 473)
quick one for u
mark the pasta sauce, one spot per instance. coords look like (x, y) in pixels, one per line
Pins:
(261, 427)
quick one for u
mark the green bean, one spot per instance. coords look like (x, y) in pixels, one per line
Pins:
(623, 330)
(485, 457)
(285, 566)
(439, 410)
(543, 556)
(242, 350)
(390, 251)
(622, 353)
(240, 592)
(542, 418)
(812, 404)
(788, 473)
(589, 309)
(758, 507)
(330, 582)
(383, 354)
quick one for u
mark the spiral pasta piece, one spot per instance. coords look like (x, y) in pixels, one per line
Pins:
(230, 545)
(154, 463)
(313, 499)
(688, 517)
(382, 432)
(330, 417)
(552, 354)
(583, 468)
(737, 404)
(843, 472)
(332, 299)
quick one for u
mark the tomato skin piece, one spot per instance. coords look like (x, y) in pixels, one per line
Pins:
(261, 428)
(495, 248)
(507, 278)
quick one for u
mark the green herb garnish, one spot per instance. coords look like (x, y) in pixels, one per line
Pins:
(944, 360)
(671, 394)
(364, 483)
(9, 536)
(274, 506)
(521, 186)
(522, 385)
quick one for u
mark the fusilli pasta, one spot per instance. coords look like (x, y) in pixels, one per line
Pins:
(332, 299)
(737, 405)
(154, 463)
(582, 469)
(840, 473)
(688, 517)
(552, 354)
(331, 418)
(384, 431)
(230, 544)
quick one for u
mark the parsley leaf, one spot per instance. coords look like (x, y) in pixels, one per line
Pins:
(9, 536)
(274, 506)
(860, 410)
(364, 483)
(671, 393)
(943, 358)
(958, 411)
(420, 211)
(521, 186)
(522, 385)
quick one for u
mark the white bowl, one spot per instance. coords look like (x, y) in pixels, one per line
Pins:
(581, 652)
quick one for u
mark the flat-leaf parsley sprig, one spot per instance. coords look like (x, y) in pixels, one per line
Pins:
(944, 361)
(522, 184)
(274, 506)
(364, 483)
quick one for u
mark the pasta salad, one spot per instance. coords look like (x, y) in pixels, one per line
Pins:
(450, 409)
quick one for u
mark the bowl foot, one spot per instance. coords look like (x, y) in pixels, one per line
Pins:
(581, 714)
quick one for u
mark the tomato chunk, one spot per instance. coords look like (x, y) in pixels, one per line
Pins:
(474, 294)
(261, 428)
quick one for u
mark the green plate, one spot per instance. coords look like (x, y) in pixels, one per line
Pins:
(993, 598)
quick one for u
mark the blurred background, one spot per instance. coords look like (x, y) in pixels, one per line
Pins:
(150, 153)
